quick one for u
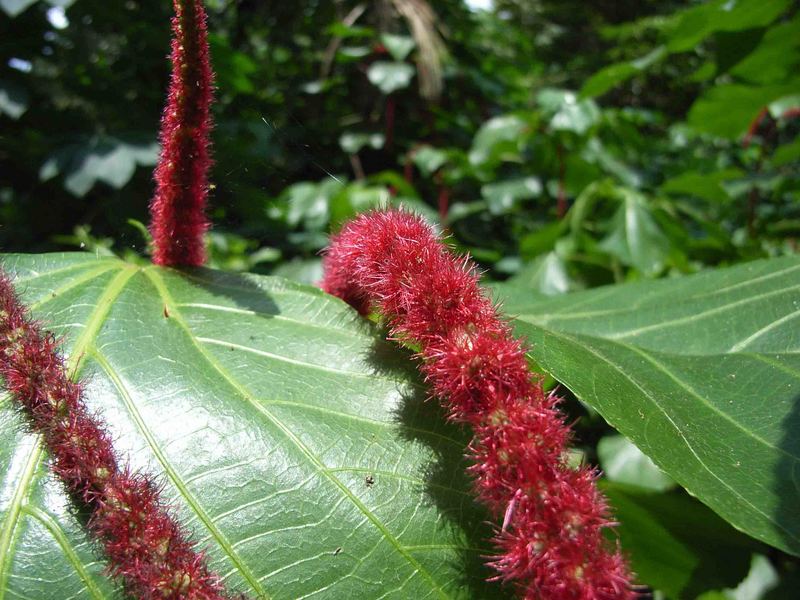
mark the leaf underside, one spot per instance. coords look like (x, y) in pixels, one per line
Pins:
(293, 443)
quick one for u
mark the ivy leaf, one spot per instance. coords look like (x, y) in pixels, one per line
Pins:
(390, 76)
(497, 138)
(399, 46)
(702, 373)
(294, 443)
(353, 142)
(635, 238)
(503, 195)
(429, 159)
(110, 160)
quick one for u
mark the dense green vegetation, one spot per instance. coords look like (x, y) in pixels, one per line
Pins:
(564, 145)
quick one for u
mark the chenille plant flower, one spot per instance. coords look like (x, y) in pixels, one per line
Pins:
(178, 207)
(144, 544)
(551, 540)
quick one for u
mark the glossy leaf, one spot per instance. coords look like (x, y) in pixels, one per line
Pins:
(294, 443)
(702, 373)
(429, 159)
(635, 237)
(390, 76)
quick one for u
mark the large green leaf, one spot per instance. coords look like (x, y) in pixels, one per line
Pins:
(702, 373)
(290, 439)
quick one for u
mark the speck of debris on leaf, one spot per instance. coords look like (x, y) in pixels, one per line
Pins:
(369, 480)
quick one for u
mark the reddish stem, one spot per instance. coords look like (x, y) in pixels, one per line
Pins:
(755, 124)
(443, 199)
(144, 544)
(391, 107)
(561, 203)
(178, 219)
(551, 543)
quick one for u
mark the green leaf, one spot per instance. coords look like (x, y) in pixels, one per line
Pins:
(635, 237)
(700, 21)
(787, 153)
(675, 544)
(776, 58)
(569, 113)
(497, 138)
(309, 203)
(263, 406)
(353, 142)
(15, 7)
(390, 76)
(106, 159)
(727, 110)
(13, 99)
(702, 373)
(612, 75)
(707, 186)
(233, 69)
(502, 196)
(623, 462)
(429, 159)
(547, 275)
(399, 46)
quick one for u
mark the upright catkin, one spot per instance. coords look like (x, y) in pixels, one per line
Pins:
(178, 218)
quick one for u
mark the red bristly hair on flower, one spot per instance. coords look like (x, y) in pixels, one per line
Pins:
(178, 219)
(551, 542)
(144, 544)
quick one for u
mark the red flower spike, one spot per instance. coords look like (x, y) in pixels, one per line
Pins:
(144, 544)
(178, 219)
(551, 543)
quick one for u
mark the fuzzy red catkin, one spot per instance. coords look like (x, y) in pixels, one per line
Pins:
(178, 219)
(144, 544)
(551, 542)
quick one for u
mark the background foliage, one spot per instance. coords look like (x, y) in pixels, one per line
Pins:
(565, 145)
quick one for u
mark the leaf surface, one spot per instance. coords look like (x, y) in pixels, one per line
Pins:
(291, 440)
